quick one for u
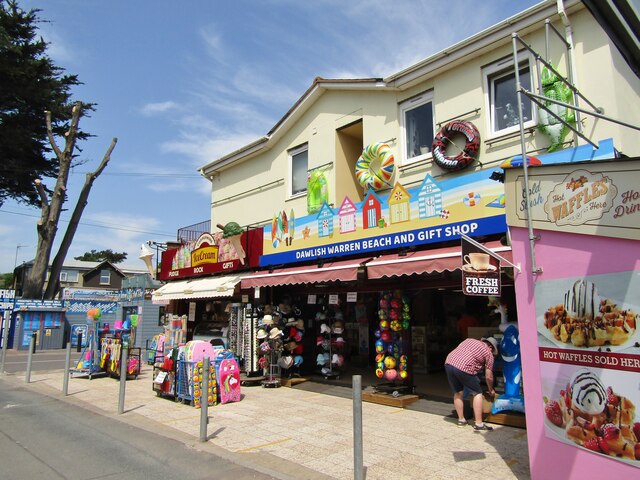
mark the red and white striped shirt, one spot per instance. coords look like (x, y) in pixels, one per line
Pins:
(471, 356)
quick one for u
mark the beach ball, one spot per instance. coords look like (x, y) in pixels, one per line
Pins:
(384, 303)
(379, 346)
(380, 365)
(380, 357)
(403, 359)
(390, 362)
(390, 349)
(385, 336)
(382, 314)
(379, 373)
(405, 325)
(517, 161)
(390, 374)
(402, 367)
(384, 324)
(394, 314)
(377, 333)
(404, 374)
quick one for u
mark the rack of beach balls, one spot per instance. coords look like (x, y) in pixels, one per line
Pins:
(394, 319)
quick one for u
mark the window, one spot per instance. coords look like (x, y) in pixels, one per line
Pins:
(105, 277)
(298, 167)
(416, 118)
(501, 95)
(69, 276)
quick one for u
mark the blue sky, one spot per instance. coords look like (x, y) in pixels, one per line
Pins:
(182, 84)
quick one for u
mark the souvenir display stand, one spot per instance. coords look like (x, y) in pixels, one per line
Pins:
(111, 344)
(167, 349)
(89, 362)
(330, 342)
(243, 327)
(393, 352)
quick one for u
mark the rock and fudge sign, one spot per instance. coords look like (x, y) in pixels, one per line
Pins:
(594, 198)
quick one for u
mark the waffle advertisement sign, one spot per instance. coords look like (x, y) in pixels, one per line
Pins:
(589, 354)
(598, 198)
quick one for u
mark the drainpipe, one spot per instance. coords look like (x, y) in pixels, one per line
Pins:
(568, 32)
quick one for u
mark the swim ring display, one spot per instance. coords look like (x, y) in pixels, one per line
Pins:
(444, 137)
(375, 166)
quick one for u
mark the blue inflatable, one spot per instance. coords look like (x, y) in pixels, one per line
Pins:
(511, 399)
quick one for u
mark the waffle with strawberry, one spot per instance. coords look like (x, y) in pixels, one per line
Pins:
(605, 426)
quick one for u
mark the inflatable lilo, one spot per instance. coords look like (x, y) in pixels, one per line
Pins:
(444, 137)
(375, 166)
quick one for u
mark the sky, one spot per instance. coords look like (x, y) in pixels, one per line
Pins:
(181, 84)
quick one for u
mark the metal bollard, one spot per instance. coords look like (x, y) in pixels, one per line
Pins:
(123, 378)
(204, 400)
(34, 335)
(5, 339)
(32, 348)
(79, 344)
(358, 468)
(67, 367)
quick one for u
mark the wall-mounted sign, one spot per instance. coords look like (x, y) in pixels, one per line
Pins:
(480, 270)
(597, 198)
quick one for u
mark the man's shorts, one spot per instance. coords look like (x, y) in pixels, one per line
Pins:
(459, 380)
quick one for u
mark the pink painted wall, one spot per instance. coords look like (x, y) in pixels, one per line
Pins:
(562, 255)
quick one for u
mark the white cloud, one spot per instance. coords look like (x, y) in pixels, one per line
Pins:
(151, 109)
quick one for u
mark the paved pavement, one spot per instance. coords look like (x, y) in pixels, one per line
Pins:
(305, 432)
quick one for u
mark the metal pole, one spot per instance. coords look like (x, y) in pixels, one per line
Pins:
(123, 377)
(67, 365)
(204, 399)
(6, 322)
(32, 348)
(358, 468)
(79, 344)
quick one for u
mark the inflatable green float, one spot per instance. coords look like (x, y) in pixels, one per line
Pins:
(317, 191)
(555, 89)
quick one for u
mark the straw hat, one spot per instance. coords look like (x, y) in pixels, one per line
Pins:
(267, 320)
(275, 332)
(493, 343)
(262, 333)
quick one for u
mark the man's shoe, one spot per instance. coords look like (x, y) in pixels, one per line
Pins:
(482, 428)
(462, 423)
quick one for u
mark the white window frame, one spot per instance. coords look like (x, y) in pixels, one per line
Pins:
(291, 154)
(108, 276)
(405, 107)
(500, 69)
(67, 276)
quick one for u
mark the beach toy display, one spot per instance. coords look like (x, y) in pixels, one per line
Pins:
(444, 138)
(375, 167)
(391, 360)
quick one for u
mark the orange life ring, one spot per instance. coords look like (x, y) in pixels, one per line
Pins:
(468, 154)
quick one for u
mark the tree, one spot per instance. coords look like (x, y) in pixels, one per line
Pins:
(31, 84)
(108, 255)
(6, 280)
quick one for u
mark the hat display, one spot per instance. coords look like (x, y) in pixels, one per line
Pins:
(275, 332)
(324, 328)
(337, 330)
(267, 320)
(262, 333)
(493, 342)
(285, 362)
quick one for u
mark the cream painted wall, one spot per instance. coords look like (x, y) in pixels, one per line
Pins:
(602, 76)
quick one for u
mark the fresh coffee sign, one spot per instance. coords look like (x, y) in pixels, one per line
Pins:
(480, 271)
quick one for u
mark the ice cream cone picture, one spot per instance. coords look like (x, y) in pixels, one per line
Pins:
(233, 232)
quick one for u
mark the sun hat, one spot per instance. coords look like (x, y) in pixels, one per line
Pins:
(290, 345)
(326, 371)
(275, 332)
(297, 360)
(299, 349)
(265, 347)
(262, 333)
(285, 362)
(263, 362)
(492, 342)
(324, 328)
(337, 330)
(291, 321)
(320, 359)
(267, 320)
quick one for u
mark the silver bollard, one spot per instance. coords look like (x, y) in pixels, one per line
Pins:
(32, 347)
(123, 377)
(67, 367)
(6, 323)
(358, 468)
(204, 400)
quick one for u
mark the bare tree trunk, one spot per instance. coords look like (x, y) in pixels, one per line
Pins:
(51, 209)
(53, 287)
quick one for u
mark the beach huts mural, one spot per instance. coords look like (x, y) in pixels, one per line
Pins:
(399, 204)
(347, 216)
(429, 198)
(371, 210)
(325, 221)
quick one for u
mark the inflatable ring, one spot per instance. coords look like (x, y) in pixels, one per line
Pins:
(443, 138)
(380, 156)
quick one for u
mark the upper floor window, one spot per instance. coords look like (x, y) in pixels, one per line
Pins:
(298, 167)
(416, 123)
(501, 95)
(105, 277)
(69, 276)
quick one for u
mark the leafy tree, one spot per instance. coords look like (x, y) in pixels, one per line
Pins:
(99, 256)
(31, 83)
(6, 280)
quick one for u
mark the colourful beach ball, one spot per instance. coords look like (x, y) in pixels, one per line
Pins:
(379, 373)
(390, 374)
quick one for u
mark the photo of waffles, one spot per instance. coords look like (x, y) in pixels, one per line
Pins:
(585, 319)
(595, 417)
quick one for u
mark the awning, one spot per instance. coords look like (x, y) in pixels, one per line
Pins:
(426, 261)
(209, 287)
(344, 271)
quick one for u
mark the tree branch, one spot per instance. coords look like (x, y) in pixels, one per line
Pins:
(44, 201)
(105, 159)
(52, 140)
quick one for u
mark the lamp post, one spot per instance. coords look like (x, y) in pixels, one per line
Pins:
(15, 262)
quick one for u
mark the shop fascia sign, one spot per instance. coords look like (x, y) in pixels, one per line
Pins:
(208, 254)
(437, 210)
(597, 198)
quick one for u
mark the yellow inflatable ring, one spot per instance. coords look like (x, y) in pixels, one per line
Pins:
(375, 166)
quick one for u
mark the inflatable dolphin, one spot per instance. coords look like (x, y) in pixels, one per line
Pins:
(512, 399)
